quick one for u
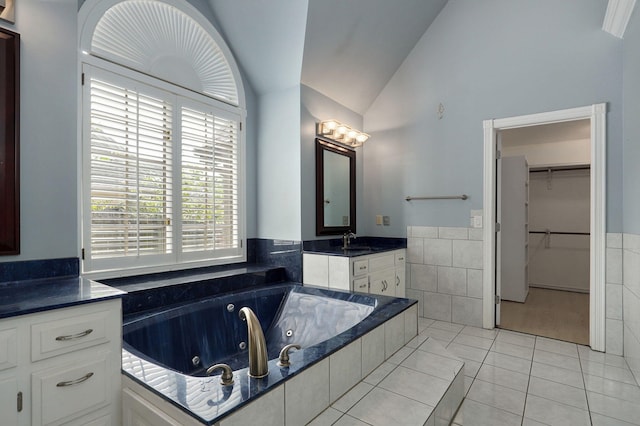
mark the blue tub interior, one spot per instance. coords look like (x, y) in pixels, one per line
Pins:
(212, 331)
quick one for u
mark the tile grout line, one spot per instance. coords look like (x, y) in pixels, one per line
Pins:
(373, 387)
(584, 383)
(526, 393)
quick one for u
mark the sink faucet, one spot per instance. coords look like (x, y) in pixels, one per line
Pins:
(257, 345)
(346, 239)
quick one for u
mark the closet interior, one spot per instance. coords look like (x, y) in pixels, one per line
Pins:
(544, 215)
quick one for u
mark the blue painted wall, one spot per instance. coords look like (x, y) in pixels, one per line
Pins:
(278, 165)
(482, 60)
(631, 125)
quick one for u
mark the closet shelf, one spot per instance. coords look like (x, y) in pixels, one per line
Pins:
(559, 233)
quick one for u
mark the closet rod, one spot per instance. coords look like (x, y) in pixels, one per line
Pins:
(443, 197)
(557, 169)
(559, 233)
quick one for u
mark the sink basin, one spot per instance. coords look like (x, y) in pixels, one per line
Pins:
(354, 247)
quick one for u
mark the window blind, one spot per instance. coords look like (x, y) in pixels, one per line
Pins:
(209, 181)
(130, 171)
(162, 182)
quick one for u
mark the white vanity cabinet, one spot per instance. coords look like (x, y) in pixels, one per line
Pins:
(62, 366)
(379, 273)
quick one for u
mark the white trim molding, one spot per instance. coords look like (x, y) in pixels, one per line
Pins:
(617, 16)
(597, 115)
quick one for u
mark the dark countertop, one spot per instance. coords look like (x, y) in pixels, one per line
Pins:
(354, 251)
(361, 246)
(29, 296)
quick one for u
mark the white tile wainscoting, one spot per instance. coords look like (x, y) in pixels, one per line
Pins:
(444, 273)
(630, 248)
(613, 297)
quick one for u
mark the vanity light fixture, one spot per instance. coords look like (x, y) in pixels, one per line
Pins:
(341, 133)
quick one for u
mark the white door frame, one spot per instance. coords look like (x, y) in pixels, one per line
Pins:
(597, 115)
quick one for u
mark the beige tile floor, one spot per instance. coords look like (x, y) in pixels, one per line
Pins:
(562, 315)
(511, 379)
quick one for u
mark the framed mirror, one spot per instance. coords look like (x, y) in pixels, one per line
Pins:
(9, 137)
(335, 188)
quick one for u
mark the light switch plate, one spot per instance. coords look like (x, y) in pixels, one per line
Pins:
(386, 220)
(379, 219)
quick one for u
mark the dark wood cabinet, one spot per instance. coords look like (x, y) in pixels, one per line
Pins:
(9, 142)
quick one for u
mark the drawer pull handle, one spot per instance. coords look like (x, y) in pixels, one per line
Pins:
(76, 381)
(397, 281)
(75, 336)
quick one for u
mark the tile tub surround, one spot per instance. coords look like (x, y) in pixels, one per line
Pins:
(444, 273)
(330, 364)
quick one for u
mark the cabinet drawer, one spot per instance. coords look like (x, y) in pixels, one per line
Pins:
(360, 267)
(65, 392)
(68, 334)
(8, 348)
(361, 284)
(400, 258)
(379, 263)
(383, 283)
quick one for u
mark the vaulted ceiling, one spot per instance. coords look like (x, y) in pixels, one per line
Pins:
(346, 50)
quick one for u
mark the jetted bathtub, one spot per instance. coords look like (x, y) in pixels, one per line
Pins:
(169, 350)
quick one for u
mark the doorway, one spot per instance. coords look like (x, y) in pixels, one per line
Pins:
(543, 207)
(596, 114)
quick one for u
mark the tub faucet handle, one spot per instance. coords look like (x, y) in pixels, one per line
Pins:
(284, 355)
(226, 378)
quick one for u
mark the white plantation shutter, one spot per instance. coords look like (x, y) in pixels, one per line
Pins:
(162, 180)
(131, 162)
(209, 181)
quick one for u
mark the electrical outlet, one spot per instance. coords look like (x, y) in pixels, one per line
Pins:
(386, 220)
(477, 221)
(379, 219)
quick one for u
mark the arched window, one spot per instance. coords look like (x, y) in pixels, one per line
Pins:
(162, 139)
